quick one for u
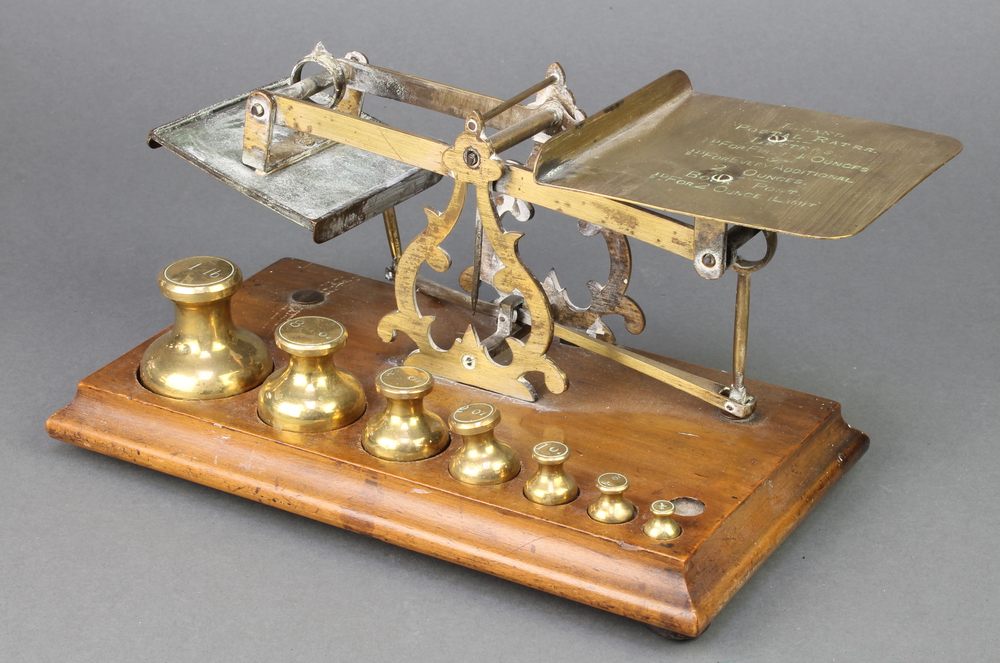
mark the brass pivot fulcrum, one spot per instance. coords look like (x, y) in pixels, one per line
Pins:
(404, 431)
(482, 460)
(662, 525)
(205, 355)
(311, 395)
(612, 507)
(550, 484)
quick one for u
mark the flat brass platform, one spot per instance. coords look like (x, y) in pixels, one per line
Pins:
(777, 168)
(757, 478)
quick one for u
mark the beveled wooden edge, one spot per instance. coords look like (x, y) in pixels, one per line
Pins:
(795, 488)
(628, 581)
(637, 585)
(651, 583)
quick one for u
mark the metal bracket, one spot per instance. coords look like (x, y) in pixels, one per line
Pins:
(268, 146)
(508, 325)
(710, 250)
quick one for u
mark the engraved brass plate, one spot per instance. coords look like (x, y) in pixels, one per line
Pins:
(758, 165)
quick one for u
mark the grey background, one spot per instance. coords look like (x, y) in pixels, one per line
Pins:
(104, 561)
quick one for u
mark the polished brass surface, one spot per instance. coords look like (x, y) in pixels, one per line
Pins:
(404, 430)
(612, 507)
(551, 484)
(204, 356)
(438, 97)
(507, 138)
(311, 395)
(482, 459)
(738, 395)
(776, 168)
(662, 526)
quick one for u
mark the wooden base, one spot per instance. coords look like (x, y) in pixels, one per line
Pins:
(756, 478)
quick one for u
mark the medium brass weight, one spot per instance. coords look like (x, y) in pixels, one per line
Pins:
(404, 430)
(483, 459)
(311, 395)
(551, 485)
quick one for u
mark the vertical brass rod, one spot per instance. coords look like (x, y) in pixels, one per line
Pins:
(392, 234)
(741, 327)
(517, 98)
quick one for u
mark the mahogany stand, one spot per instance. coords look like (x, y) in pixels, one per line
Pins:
(757, 478)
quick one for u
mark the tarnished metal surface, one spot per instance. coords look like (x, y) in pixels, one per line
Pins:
(397, 86)
(347, 186)
(775, 168)
(607, 299)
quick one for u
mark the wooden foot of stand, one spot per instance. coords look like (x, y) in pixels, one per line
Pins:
(756, 479)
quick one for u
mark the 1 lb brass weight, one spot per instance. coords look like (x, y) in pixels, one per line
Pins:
(205, 355)
(405, 431)
(311, 395)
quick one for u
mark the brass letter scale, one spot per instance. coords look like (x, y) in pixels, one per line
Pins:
(534, 446)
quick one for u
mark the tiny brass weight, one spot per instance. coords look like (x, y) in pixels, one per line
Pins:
(205, 355)
(404, 431)
(311, 395)
(612, 507)
(482, 459)
(550, 484)
(662, 526)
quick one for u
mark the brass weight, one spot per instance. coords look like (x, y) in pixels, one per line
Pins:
(205, 355)
(662, 526)
(405, 431)
(551, 484)
(482, 459)
(311, 395)
(612, 507)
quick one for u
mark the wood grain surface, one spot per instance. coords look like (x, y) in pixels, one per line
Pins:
(757, 478)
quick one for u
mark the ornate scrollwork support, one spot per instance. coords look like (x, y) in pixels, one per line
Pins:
(605, 299)
(473, 162)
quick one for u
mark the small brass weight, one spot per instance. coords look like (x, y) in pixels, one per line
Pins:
(612, 507)
(662, 525)
(404, 431)
(483, 459)
(311, 395)
(550, 484)
(205, 356)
